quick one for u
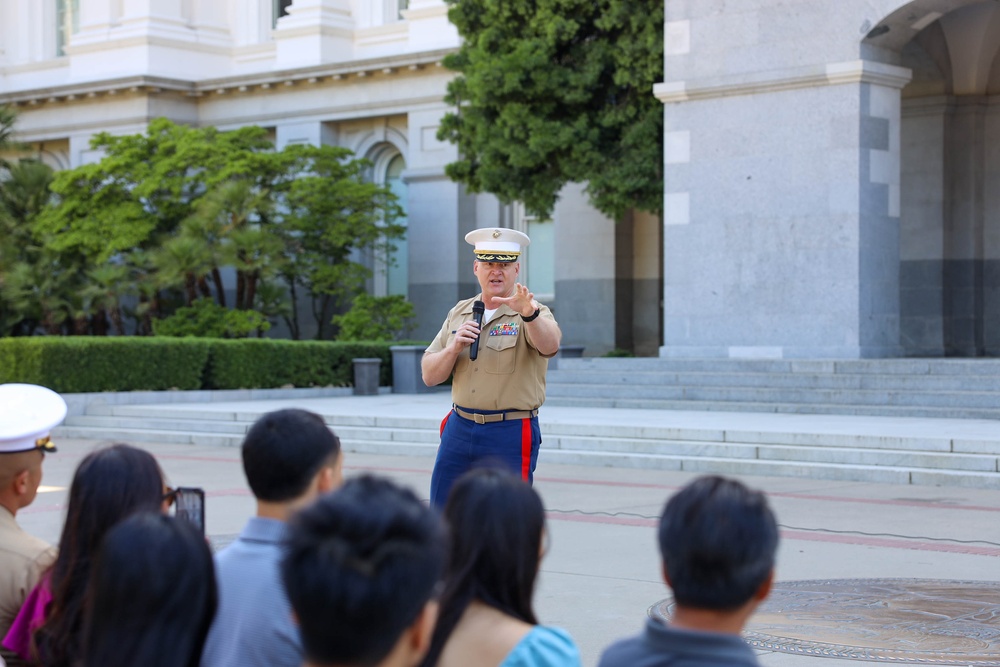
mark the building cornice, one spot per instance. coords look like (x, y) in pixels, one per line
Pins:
(815, 76)
(263, 81)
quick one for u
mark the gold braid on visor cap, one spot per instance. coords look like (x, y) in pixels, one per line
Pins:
(492, 257)
(45, 444)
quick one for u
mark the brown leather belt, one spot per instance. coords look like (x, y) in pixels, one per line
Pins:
(480, 418)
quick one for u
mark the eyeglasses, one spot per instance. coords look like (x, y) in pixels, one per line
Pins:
(169, 497)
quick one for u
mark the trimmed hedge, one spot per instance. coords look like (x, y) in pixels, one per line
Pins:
(263, 363)
(71, 364)
(89, 364)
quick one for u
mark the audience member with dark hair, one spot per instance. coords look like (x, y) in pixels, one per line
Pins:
(108, 485)
(289, 457)
(361, 568)
(497, 524)
(718, 541)
(151, 595)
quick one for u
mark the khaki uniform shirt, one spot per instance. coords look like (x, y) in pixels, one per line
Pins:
(23, 559)
(508, 374)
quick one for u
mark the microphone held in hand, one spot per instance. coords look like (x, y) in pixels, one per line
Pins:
(478, 308)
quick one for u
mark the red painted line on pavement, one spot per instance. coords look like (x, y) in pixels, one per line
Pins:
(228, 492)
(616, 520)
(889, 543)
(182, 457)
(800, 496)
(853, 540)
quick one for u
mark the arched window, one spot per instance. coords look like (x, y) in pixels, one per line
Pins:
(397, 268)
(67, 23)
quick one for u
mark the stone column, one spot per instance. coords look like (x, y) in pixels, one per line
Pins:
(316, 133)
(584, 272)
(440, 213)
(921, 243)
(314, 32)
(781, 211)
(428, 25)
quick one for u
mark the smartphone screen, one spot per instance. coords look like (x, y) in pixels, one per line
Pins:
(190, 506)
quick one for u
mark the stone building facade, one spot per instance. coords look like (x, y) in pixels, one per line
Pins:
(832, 178)
(364, 74)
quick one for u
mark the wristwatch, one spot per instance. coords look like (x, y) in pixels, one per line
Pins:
(532, 317)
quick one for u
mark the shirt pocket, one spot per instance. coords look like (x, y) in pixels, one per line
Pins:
(505, 350)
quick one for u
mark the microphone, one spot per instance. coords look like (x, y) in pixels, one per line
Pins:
(478, 308)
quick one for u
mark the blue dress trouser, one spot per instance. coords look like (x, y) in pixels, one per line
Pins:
(466, 445)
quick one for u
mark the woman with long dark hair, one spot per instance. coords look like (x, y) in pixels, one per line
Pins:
(151, 595)
(108, 485)
(497, 526)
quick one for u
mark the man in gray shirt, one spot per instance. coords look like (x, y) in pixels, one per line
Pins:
(290, 457)
(718, 541)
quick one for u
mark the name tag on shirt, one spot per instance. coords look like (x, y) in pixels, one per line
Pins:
(507, 329)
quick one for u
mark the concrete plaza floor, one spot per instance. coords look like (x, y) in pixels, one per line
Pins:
(602, 571)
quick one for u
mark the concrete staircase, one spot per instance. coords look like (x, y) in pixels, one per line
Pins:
(871, 449)
(944, 388)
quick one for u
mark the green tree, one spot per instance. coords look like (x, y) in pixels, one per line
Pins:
(558, 91)
(28, 271)
(176, 205)
(8, 144)
(332, 212)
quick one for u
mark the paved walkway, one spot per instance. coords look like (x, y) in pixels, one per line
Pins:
(602, 571)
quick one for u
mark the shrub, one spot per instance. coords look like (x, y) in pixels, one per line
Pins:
(376, 318)
(206, 319)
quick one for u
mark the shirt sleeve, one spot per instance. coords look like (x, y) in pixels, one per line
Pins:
(543, 311)
(544, 647)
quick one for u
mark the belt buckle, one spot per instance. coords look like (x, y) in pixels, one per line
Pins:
(478, 418)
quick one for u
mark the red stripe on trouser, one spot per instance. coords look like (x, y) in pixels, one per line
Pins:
(443, 422)
(525, 449)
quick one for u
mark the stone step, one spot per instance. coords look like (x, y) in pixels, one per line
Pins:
(164, 423)
(929, 367)
(366, 427)
(912, 453)
(405, 431)
(828, 471)
(427, 431)
(897, 382)
(426, 446)
(879, 398)
(772, 452)
(555, 399)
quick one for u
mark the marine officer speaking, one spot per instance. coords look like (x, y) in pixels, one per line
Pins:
(498, 368)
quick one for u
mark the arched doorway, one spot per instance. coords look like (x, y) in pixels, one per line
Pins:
(950, 175)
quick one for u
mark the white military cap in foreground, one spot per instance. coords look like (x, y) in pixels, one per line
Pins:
(27, 414)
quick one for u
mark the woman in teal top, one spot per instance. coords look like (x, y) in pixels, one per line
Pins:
(486, 619)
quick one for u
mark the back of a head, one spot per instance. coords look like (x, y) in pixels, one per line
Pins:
(109, 485)
(283, 451)
(496, 522)
(360, 566)
(151, 595)
(718, 541)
